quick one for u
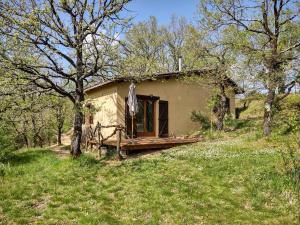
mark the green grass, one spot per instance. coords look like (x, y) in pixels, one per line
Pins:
(236, 180)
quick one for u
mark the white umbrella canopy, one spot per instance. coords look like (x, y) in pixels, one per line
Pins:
(132, 104)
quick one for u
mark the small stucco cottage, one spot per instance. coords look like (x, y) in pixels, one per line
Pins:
(165, 104)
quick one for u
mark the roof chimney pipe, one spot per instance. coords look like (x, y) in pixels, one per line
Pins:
(179, 63)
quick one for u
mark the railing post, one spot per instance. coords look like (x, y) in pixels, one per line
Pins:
(119, 143)
(99, 138)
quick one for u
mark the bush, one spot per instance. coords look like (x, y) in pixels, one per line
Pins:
(287, 115)
(86, 160)
(202, 119)
(291, 159)
(236, 124)
(5, 154)
(7, 145)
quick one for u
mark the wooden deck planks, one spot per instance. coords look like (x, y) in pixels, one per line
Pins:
(150, 143)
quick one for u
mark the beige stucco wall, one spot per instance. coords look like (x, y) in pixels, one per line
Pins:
(104, 100)
(183, 98)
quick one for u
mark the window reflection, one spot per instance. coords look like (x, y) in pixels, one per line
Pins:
(140, 117)
(149, 116)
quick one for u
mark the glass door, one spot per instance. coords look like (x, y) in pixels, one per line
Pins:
(140, 120)
(145, 118)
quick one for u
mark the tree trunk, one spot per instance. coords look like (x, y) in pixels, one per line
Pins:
(49, 140)
(34, 137)
(41, 141)
(26, 140)
(237, 113)
(268, 112)
(60, 119)
(239, 110)
(220, 118)
(59, 132)
(78, 120)
(77, 133)
(222, 109)
(25, 133)
(79, 98)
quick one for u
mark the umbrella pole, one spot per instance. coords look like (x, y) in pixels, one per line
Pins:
(132, 127)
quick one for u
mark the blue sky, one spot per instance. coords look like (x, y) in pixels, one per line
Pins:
(162, 9)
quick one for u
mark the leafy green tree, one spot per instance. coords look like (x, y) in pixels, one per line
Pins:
(143, 52)
(62, 45)
(152, 49)
(62, 111)
(30, 113)
(7, 144)
(209, 50)
(266, 33)
(175, 35)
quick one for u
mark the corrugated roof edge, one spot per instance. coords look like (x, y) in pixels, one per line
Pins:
(230, 82)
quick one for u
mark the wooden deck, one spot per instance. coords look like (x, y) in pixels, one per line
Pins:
(150, 143)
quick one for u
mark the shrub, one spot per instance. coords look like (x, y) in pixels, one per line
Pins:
(7, 145)
(86, 160)
(5, 154)
(291, 159)
(237, 124)
(287, 115)
(202, 119)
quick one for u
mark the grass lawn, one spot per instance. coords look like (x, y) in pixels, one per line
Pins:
(233, 181)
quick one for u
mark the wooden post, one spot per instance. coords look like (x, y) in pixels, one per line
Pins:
(211, 122)
(88, 137)
(119, 143)
(86, 145)
(99, 139)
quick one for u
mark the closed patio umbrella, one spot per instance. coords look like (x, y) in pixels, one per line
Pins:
(132, 104)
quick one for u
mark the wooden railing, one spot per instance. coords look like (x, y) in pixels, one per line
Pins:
(95, 137)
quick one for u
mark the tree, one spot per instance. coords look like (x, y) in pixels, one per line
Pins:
(143, 52)
(24, 110)
(60, 118)
(61, 110)
(208, 49)
(62, 45)
(152, 49)
(245, 102)
(32, 116)
(175, 35)
(267, 34)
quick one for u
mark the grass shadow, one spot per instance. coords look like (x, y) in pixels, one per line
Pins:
(89, 160)
(27, 156)
(65, 147)
(238, 124)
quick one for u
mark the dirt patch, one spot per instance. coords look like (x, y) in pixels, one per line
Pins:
(60, 150)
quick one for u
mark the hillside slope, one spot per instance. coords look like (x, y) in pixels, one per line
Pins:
(230, 181)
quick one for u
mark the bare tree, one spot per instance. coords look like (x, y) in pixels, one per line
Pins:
(60, 119)
(267, 34)
(174, 36)
(62, 45)
(208, 49)
(27, 111)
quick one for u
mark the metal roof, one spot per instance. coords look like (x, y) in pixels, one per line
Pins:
(166, 75)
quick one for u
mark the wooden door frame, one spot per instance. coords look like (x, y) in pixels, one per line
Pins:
(159, 119)
(154, 99)
(145, 133)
